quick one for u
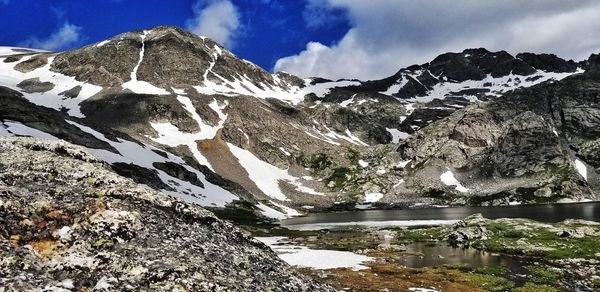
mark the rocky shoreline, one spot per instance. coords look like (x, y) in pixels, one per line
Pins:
(537, 256)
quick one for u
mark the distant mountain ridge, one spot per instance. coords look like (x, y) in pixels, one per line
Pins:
(180, 113)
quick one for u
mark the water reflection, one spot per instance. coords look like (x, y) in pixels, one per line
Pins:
(419, 255)
(542, 213)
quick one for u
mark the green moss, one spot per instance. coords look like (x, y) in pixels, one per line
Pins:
(494, 271)
(353, 156)
(532, 287)
(339, 176)
(91, 181)
(596, 283)
(490, 282)
(543, 275)
(541, 242)
(317, 162)
(420, 235)
(102, 243)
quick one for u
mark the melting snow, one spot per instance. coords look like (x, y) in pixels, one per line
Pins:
(403, 164)
(347, 102)
(170, 135)
(275, 214)
(142, 155)
(580, 166)
(102, 43)
(266, 176)
(10, 77)
(320, 259)
(449, 180)
(138, 86)
(397, 135)
(363, 163)
(8, 51)
(7, 128)
(373, 197)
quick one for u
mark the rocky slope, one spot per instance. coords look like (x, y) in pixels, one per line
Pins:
(180, 113)
(67, 222)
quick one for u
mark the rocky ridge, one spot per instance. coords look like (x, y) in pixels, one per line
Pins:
(235, 134)
(69, 223)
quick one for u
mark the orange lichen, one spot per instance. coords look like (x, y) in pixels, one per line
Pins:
(14, 239)
(44, 247)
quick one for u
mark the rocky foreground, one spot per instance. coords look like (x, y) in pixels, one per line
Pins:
(68, 223)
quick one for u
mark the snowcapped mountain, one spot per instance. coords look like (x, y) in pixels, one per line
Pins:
(180, 113)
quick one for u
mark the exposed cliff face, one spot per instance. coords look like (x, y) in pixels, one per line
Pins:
(180, 113)
(69, 222)
(532, 145)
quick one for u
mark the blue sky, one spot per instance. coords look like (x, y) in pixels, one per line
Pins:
(364, 39)
(267, 30)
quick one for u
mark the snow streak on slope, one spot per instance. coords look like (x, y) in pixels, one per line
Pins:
(581, 169)
(9, 51)
(266, 176)
(8, 128)
(10, 77)
(142, 155)
(276, 88)
(138, 86)
(448, 179)
(170, 135)
(496, 85)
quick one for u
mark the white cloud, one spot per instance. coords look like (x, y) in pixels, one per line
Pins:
(389, 34)
(65, 37)
(218, 20)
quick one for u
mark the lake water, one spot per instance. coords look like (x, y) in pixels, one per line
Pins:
(550, 213)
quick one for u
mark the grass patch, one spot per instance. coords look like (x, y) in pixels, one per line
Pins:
(532, 287)
(420, 235)
(543, 275)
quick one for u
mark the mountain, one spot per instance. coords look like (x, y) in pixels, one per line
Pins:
(180, 113)
(69, 223)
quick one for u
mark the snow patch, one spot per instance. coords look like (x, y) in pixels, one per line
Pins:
(449, 180)
(19, 129)
(397, 135)
(363, 163)
(372, 197)
(170, 135)
(10, 77)
(347, 102)
(266, 176)
(320, 259)
(143, 155)
(580, 166)
(138, 86)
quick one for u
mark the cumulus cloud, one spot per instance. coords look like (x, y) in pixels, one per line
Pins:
(218, 20)
(67, 36)
(389, 34)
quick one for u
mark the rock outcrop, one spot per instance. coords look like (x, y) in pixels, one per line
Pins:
(67, 222)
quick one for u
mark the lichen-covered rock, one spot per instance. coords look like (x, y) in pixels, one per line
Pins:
(68, 223)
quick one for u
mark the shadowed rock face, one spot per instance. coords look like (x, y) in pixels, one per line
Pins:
(66, 221)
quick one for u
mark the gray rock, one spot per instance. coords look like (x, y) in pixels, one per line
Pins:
(68, 222)
(34, 85)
